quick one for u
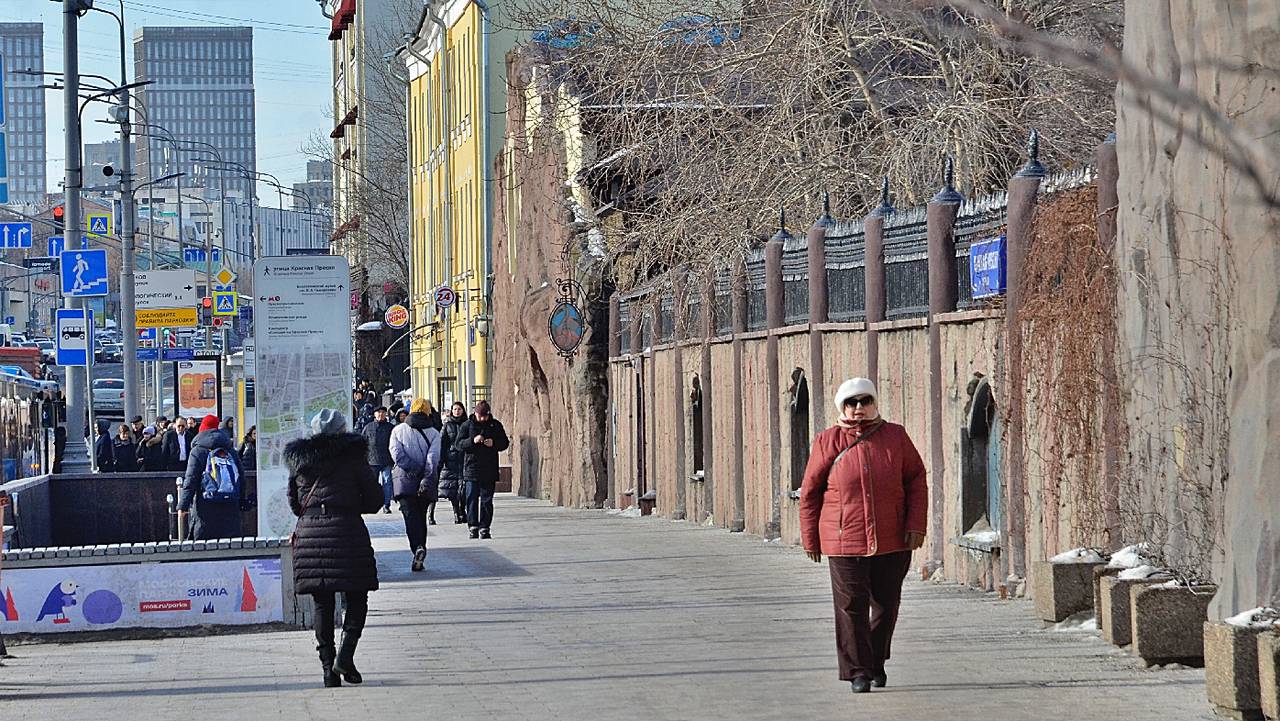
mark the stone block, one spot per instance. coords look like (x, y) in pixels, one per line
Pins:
(1115, 619)
(1099, 573)
(1062, 589)
(1269, 673)
(1231, 669)
(1168, 623)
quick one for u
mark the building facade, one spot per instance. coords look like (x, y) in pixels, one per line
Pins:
(318, 188)
(457, 105)
(202, 92)
(22, 47)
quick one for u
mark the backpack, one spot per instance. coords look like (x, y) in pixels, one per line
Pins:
(221, 480)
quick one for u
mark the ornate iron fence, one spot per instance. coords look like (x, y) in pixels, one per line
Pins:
(624, 327)
(666, 318)
(723, 302)
(756, 319)
(977, 220)
(846, 274)
(795, 281)
(906, 265)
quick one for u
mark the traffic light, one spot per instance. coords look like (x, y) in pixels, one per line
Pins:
(206, 302)
(59, 215)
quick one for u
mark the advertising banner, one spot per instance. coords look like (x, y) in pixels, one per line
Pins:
(197, 388)
(303, 355)
(140, 595)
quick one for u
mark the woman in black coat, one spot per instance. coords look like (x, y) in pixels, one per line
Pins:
(126, 451)
(451, 484)
(330, 486)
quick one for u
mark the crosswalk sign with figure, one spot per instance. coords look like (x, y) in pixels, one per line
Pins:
(224, 304)
(84, 272)
(98, 224)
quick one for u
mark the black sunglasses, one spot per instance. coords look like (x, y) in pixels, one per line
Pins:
(862, 401)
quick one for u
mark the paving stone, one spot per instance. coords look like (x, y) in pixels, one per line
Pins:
(577, 615)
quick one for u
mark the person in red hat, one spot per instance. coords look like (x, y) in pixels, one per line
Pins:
(213, 487)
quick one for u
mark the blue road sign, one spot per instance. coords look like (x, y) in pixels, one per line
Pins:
(15, 235)
(197, 255)
(987, 267)
(74, 336)
(179, 354)
(148, 354)
(10, 320)
(147, 334)
(84, 272)
(224, 303)
(99, 224)
(55, 246)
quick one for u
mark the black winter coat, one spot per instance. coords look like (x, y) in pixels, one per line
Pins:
(378, 435)
(330, 485)
(151, 455)
(105, 453)
(210, 519)
(480, 462)
(126, 452)
(452, 459)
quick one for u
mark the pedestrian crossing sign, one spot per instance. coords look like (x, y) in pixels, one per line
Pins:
(225, 304)
(98, 224)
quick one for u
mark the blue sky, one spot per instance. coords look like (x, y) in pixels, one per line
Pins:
(291, 68)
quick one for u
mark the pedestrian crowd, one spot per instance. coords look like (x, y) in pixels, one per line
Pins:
(163, 445)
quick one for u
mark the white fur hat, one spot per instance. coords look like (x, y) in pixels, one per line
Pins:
(853, 388)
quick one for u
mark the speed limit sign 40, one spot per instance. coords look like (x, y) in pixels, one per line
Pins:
(445, 297)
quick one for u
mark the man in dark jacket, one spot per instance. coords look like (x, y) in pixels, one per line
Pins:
(378, 434)
(103, 451)
(481, 439)
(177, 445)
(210, 518)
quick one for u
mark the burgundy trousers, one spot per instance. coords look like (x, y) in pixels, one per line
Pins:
(867, 592)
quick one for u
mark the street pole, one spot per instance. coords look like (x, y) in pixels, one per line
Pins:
(208, 279)
(76, 455)
(128, 239)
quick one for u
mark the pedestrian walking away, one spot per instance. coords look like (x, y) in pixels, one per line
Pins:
(249, 450)
(433, 421)
(480, 440)
(213, 488)
(863, 505)
(125, 450)
(330, 486)
(378, 434)
(415, 450)
(451, 483)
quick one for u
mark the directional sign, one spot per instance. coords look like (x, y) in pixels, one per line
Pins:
(15, 235)
(165, 289)
(178, 354)
(445, 296)
(41, 265)
(148, 354)
(165, 317)
(224, 303)
(98, 224)
(197, 255)
(56, 245)
(74, 336)
(84, 272)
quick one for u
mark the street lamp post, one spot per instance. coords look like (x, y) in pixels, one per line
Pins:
(76, 454)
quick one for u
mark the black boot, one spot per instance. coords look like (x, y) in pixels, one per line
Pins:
(879, 680)
(861, 684)
(346, 661)
(327, 655)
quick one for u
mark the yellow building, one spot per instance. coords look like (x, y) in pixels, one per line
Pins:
(456, 107)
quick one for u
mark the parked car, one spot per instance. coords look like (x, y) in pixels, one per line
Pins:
(108, 396)
(21, 373)
(48, 350)
(109, 353)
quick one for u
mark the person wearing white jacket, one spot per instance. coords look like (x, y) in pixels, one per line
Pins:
(415, 450)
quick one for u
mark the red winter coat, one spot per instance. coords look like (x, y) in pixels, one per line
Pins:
(865, 505)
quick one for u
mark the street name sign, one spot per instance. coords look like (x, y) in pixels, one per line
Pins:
(987, 271)
(74, 336)
(174, 289)
(41, 265)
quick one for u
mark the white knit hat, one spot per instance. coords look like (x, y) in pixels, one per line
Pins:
(328, 421)
(853, 388)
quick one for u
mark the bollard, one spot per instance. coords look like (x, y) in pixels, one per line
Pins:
(181, 516)
(172, 502)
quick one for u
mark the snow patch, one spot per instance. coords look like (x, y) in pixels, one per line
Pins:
(982, 536)
(1261, 617)
(1078, 555)
(710, 522)
(1139, 573)
(1130, 557)
(1083, 621)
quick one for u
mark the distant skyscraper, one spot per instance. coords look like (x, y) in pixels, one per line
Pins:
(318, 187)
(22, 45)
(202, 91)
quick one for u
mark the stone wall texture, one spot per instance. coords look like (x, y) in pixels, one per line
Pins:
(1200, 316)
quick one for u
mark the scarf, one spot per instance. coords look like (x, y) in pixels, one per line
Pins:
(862, 428)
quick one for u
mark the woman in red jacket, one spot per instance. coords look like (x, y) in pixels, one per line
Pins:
(863, 505)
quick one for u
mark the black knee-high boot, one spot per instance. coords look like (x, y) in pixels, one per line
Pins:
(357, 608)
(324, 638)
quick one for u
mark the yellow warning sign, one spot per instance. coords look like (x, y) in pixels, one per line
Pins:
(163, 317)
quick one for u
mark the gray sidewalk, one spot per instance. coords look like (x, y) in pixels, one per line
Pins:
(583, 615)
